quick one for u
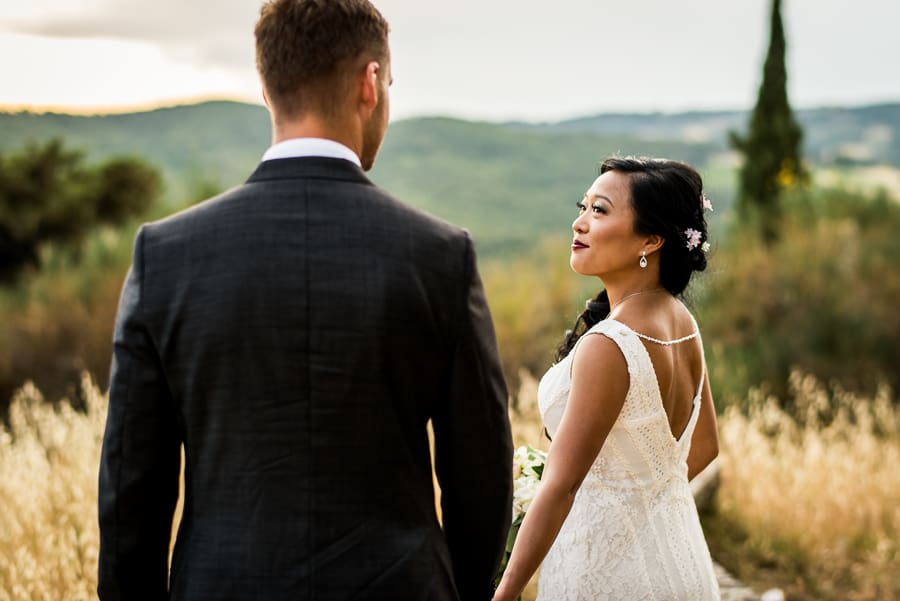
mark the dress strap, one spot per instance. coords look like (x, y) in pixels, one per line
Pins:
(608, 327)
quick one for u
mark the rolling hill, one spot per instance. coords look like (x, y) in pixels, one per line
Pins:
(510, 183)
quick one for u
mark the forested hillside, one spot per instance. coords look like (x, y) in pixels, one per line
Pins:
(507, 184)
(510, 183)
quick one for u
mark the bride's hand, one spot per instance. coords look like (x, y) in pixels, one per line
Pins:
(502, 593)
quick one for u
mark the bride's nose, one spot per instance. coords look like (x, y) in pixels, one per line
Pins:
(578, 226)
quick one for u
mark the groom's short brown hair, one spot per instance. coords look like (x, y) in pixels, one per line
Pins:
(305, 49)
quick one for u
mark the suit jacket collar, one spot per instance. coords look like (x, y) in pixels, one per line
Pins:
(309, 167)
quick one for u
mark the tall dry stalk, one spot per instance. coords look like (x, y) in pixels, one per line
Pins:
(818, 490)
(48, 491)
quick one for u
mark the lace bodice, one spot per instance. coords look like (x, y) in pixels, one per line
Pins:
(633, 532)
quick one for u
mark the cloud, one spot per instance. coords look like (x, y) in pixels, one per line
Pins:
(520, 58)
(202, 32)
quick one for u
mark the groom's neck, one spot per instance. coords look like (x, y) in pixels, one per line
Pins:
(347, 131)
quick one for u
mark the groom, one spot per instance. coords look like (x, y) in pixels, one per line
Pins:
(296, 334)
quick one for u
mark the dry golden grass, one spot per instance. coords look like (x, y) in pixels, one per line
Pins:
(809, 501)
(814, 495)
(48, 491)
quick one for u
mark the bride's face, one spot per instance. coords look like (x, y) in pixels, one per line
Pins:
(605, 241)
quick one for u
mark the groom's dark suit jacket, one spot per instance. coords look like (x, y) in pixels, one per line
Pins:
(296, 334)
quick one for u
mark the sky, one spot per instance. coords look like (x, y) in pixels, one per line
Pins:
(475, 59)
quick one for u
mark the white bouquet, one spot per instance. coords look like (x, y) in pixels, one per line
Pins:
(528, 467)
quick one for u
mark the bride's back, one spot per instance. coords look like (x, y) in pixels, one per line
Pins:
(679, 365)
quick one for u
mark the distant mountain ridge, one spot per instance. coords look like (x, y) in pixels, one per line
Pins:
(861, 134)
(510, 183)
(867, 134)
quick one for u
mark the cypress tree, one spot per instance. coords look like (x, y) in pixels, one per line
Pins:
(772, 149)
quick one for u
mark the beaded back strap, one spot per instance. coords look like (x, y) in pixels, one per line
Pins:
(668, 342)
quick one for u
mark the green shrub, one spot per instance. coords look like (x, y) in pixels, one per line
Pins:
(58, 322)
(822, 300)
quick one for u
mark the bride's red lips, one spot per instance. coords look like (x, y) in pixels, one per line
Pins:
(576, 244)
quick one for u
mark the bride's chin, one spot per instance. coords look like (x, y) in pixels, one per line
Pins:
(576, 266)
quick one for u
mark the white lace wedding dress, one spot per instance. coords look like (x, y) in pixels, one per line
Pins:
(633, 533)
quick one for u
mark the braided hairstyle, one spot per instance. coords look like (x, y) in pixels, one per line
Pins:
(667, 199)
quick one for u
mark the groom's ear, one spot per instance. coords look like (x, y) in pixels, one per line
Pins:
(368, 85)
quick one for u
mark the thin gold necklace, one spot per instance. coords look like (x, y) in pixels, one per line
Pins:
(638, 293)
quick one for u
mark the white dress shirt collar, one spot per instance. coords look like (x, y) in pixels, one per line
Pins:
(311, 147)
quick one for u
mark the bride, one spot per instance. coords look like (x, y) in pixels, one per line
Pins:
(627, 405)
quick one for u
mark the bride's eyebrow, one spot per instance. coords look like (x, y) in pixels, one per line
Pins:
(606, 198)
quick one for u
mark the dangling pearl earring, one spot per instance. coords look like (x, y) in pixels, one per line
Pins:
(643, 261)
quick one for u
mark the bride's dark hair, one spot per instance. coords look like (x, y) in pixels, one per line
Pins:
(667, 198)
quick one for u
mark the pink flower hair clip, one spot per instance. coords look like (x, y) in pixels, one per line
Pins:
(706, 202)
(693, 238)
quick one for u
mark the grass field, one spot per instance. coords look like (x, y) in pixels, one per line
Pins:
(809, 502)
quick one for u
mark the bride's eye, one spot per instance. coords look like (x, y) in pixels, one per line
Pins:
(581, 207)
(599, 208)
